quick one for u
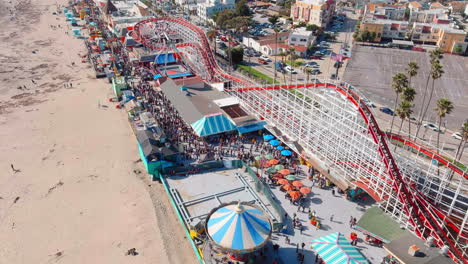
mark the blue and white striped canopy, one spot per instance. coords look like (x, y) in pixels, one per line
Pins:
(335, 249)
(237, 227)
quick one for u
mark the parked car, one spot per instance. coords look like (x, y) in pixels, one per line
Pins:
(432, 127)
(387, 111)
(265, 58)
(262, 61)
(311, 64)
(333, 76)
(316, 57)
(457, 135)
(315, 71)
(290, 69)
(223, 38)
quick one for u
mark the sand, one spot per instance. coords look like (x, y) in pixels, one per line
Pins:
(76, 198)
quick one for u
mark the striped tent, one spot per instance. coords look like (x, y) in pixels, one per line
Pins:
(239, 228)
(335, 249)
(212, 124)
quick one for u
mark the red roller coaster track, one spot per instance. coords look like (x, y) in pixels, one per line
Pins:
(425, 216)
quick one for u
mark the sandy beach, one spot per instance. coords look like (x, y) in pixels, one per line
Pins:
(70, 191)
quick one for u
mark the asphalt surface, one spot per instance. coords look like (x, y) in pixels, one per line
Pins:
(372, 68)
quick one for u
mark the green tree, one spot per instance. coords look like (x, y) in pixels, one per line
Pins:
(301, 24)
(236, 54)
(312, 27)
(407, 13)
(365, 35)
(458, 49)
(399, 84)
(372, 36)
(444, 107)
(223, 18)
(242, 9)
(273, 19)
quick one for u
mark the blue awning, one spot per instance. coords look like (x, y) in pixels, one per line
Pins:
(251, 128)
(336, 249)
(164, 58)
(212, 124)
(180, 74)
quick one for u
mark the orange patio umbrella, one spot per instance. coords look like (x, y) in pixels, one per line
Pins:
(288, 187)
(305, 190)
(284, 171)
(297, 183)
(273, 161)
(295, 194)
(283, 181)
(266, 165)
(278, 177)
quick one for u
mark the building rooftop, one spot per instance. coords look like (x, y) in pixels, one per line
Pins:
(301, 31)
(445, 27)
(415, 4)
(399, 249)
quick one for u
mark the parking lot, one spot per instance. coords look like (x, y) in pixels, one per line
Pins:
(372, 68)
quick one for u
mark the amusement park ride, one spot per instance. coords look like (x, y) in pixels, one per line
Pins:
(328, 122)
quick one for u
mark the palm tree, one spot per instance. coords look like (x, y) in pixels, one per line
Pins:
(291, 58)
(464, 139)
(444, 107)
(276, 49)
(436, 73)
(283, 55)
(212, 36)
(399, 84)
(434, 55)
(412, 70)
(408, 95)
(308, 71)
(404, 111)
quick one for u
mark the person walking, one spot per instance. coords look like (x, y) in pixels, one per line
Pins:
(302, 245)
(331, 218)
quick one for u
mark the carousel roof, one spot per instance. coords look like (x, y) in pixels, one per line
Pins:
(239, 227)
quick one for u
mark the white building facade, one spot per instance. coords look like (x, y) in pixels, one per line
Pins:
(300, 37)
(206, 10)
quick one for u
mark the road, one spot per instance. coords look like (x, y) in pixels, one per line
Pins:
(326, 65)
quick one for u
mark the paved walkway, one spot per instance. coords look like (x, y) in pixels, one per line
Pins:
(325, 205)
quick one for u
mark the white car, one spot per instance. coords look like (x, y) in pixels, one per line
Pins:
(457, 135)
(265, 58)
(290, 69)
(431, 127)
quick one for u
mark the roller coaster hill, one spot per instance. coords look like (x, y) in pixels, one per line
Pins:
(329, 124)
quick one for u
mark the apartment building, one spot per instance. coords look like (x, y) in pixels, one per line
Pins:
(390, 12)
(427, 16)
(385, 28)
(316, 12)
(206, 10)
(442, 35)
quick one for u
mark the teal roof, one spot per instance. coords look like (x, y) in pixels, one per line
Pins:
(335, 249)
(212, 124)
